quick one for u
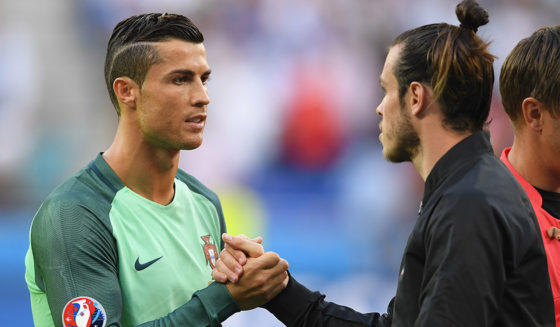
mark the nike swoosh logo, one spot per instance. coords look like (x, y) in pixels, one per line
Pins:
(141, 266)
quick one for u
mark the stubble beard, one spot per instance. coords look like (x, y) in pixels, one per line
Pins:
(406, 141)
(171, 143)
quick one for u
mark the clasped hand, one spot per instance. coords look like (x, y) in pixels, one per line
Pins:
(252, 276)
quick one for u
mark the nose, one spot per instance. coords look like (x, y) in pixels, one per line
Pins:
(199, 95)
(379, 109)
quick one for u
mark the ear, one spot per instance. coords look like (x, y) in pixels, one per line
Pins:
(127, 91)
(418, 98)
(532, 110)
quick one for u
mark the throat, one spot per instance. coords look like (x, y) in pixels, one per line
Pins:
(159, 194)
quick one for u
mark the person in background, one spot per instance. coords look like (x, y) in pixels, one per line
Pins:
(530, 89)
(475, 256)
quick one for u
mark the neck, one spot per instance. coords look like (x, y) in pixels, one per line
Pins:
(144, 169)
(433, 145)
(526, 158)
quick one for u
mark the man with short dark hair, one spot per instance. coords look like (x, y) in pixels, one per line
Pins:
(131, 240)
(530, 89)
(475, 256)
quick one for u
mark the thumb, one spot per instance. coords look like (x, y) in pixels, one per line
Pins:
(250, 247)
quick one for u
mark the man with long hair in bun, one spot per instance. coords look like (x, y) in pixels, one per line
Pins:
(475, 256)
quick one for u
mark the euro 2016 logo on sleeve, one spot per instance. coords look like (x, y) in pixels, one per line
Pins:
(83, 312)
(210, 251)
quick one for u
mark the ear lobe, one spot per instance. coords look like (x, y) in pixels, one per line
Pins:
(126, 91)
(532, 110)
(418, 97)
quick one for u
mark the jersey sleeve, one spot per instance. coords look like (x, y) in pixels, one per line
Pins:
(297, 306)
(207, 308)
(465, 266)
(75, 255)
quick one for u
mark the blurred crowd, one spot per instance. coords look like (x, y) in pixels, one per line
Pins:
(291, 140)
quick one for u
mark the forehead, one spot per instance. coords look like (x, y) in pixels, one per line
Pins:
(392, 58)
(173, 54)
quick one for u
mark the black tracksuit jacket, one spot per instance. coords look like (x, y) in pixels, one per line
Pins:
(474, 258)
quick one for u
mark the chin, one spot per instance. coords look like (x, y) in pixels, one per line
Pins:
(396, 155)
(191, 145)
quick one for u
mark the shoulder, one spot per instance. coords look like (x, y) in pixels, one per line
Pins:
(197, 186)
(487, 189)
(78, 204)
(488, 180)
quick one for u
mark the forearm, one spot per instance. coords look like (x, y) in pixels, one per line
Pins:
(207, 308)
(297, 306)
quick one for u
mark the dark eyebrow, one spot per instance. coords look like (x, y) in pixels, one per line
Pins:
(188, 72)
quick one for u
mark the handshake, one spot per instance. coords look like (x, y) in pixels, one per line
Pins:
(252, 276)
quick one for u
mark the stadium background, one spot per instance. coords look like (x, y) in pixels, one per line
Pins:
(291, 141)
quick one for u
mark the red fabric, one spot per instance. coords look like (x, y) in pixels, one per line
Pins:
(551, 246)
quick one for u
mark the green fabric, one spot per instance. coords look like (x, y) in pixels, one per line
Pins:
(162, 232)
(86, 237)
(39, 305)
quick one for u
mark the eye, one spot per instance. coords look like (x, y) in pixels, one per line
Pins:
(205, 80)
(180, 80)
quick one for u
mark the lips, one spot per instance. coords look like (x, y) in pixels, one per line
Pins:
(196, 122)
(196, 119)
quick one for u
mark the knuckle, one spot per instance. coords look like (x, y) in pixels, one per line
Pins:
(239, 255)
(218, 265)
(274, 256)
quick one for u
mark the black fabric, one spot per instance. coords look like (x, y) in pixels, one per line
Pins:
(298, 306)
(474, 257)
(550, 202)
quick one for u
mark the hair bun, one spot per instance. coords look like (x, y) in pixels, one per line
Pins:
(471, 14)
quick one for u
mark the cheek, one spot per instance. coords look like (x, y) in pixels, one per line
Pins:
(556, 144)
(553, 138)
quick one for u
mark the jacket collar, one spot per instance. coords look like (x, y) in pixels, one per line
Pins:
(460, 156)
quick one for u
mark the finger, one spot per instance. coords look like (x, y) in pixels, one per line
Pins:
(242, 236)
(556, 233)
(278, 283)
(238, 255)
(257, 239)
(251, 248)
(553, 232)
(280, 268)
(231, 262)
(268, 260)
(286, 280)
(218, 276)
(231, 276)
